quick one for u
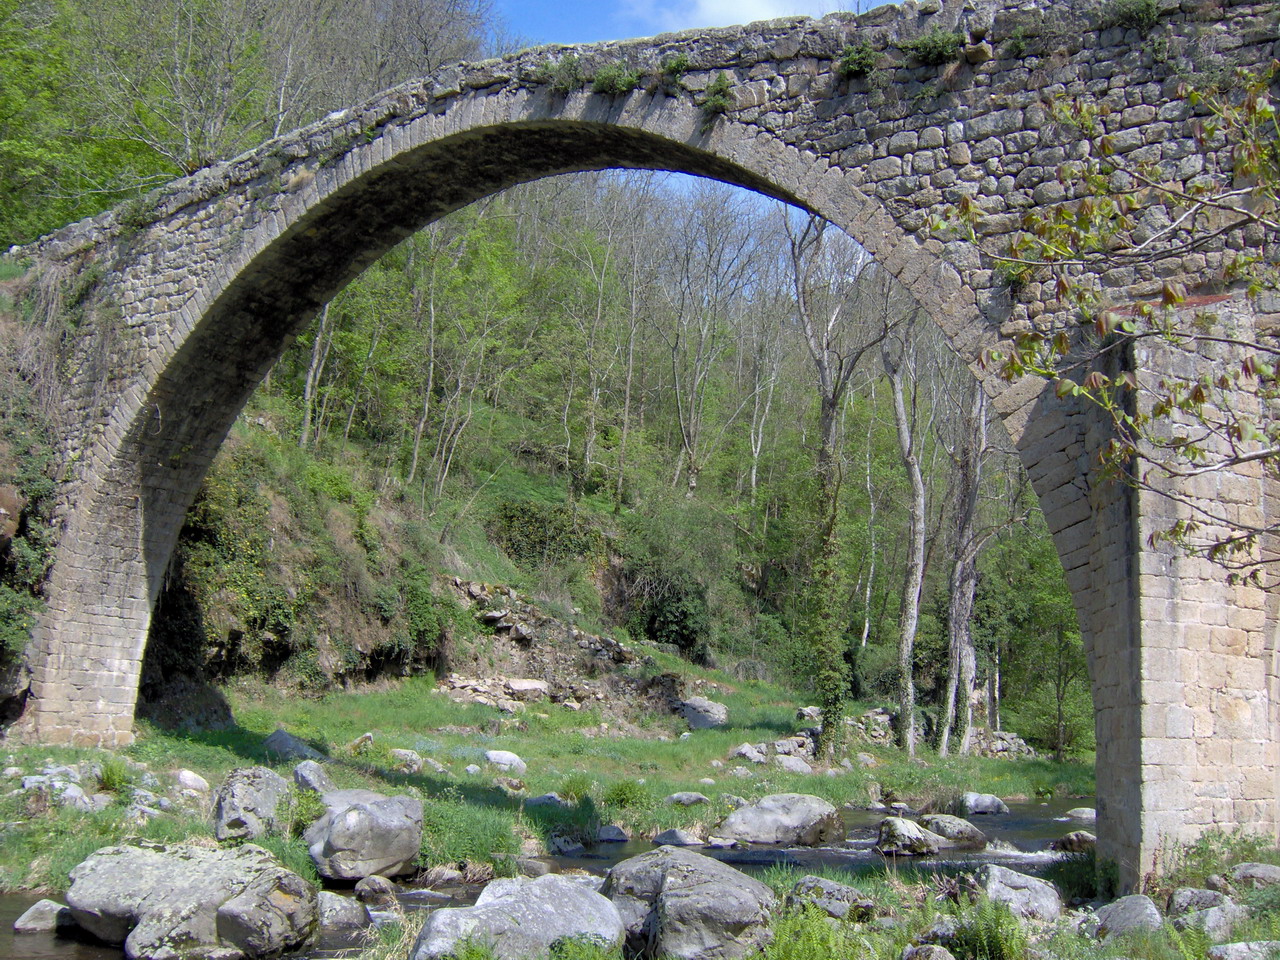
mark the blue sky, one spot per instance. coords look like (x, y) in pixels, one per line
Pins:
(584, 21)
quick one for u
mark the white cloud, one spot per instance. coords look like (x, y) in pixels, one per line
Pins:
(658, 15)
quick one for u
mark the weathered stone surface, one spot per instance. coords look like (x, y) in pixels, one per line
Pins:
(955, 829)
(1077, 841)
(1136, 912)
(978, 803)
(793, 764)
(1217, 922)
(190, 780)
(794, 818)
(686, 798)
(680, 904)
(1083, 813)
(45, 916)
(506, 760)
(927, 951)
(1255, 874)
(246, 804)
(1026, 896)
(163, 903)
(1186, 899)
(286, 746)
(341, 913)
(900, 837)
(309, 775)
(839, 900)
(701, 713)
(375, 889)
(675, 837)
(521, 919)
(363, 833)
(1251, 950)
(612, 833)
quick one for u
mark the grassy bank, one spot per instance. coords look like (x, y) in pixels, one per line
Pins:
(610, 775)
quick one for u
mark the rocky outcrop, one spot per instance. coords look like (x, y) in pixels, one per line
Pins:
(247, 803)
(792, 818)
(957, 831)
(522, 919)
(1137, 912)
(196, 903)
(364, 833)
(679, 904)
(972, 803)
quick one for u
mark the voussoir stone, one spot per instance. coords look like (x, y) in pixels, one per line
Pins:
(364, 833)
(247, 803)
(522, 919)
(192, 903)
(793, 818)
(680, 904)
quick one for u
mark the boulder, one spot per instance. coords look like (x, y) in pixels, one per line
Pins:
(1255, 874)
(686, 798)
(406, 761)
(900, 837)
(792, 818)
(1136, 912)
(1188, 899)
(547, 800)
(750, 752)
(192, 902)
(527, 690)
(675, 837)
(1250, 950)
(507, 761)
(45, 916)
(363, 833)
(612, 833)
(839, 900)
(792, 764)
(341, 913)
(309, 775)
(375, 889)
(679, 904)
(972, 803)
(286, 746)
(702, 714)
(522, 919)
(1077, 841)
(960, 832)
(1026, 896)
(926, 951)
(246, 804)
(190, 780)
(1217, 922)
(1082, 813)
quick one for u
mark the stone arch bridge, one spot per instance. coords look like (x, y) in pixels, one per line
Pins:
(192, 294)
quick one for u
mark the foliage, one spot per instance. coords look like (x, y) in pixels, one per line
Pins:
(615, 80)
(1131, 14)
(808, 934)
(718, 99)
(293, 854)
(1134, 215)
(989, 931)
(673, 68)
(576, 786)
(454, 832)
(858, 59)
(534, 534)
(935, 47)
(564, 75)
(300, 809)
(627, 793)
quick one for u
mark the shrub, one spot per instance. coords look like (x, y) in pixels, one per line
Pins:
(627, 793)
(718, 99)
(301, 809)
(857, 60)
(533, 533)
(615, 80)
(672, 70)
(576, 786)
(114, 775)
(1130, 14)
(935, 47)
(565, 75)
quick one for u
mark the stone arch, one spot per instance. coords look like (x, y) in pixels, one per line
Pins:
(205, 284)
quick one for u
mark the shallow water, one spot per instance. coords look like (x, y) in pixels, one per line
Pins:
(1030, 826)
